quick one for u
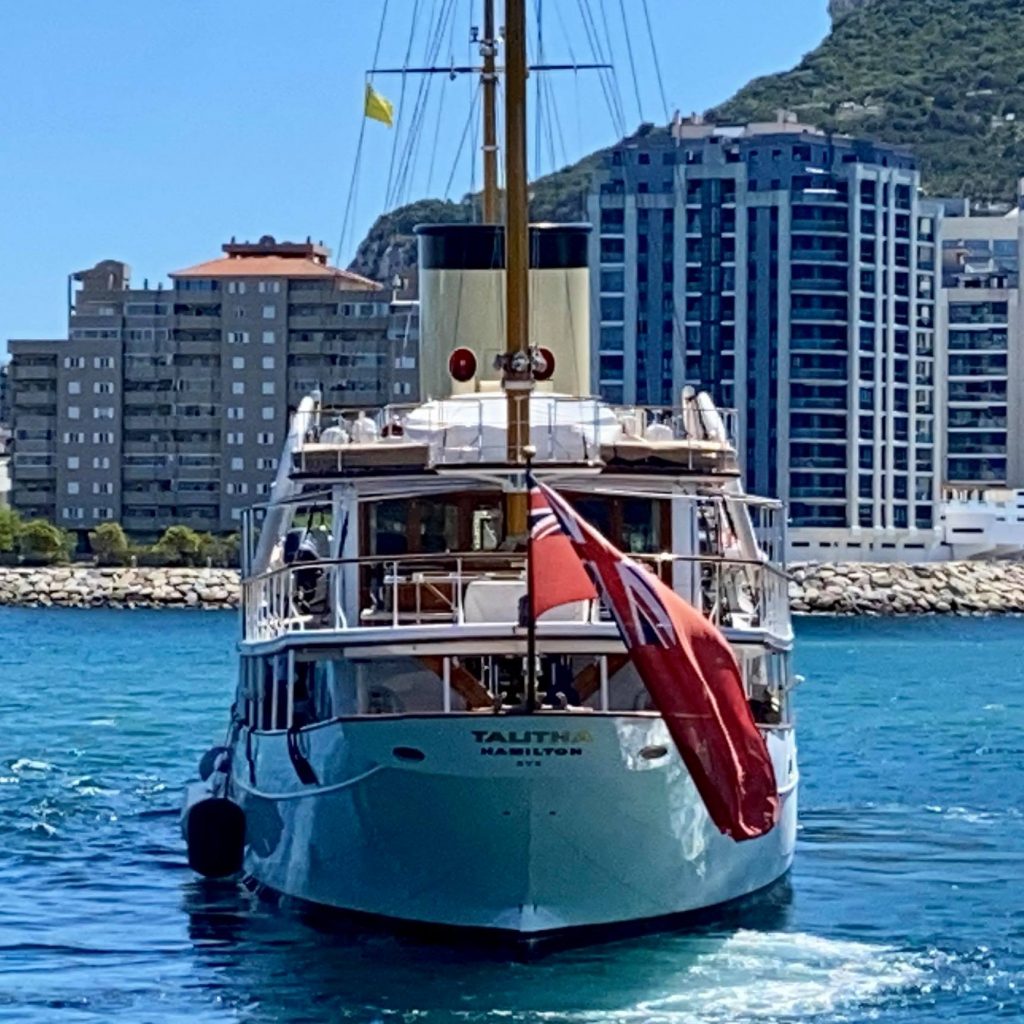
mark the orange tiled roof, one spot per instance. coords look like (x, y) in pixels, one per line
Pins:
(272, 266)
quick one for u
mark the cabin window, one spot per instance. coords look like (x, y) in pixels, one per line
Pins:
(635, 525)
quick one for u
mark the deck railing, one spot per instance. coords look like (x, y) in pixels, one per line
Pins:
(481, 589)
(464, 429)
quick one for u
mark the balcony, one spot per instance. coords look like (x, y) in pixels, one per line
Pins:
(818, 492)
(819, 285)
(818, 433)
(979, 367)
(34, 399)
(818, 403)
(828, 256)
(18, 371)
(970, 392)
(836, 346)
(812, 225)
(818, 314)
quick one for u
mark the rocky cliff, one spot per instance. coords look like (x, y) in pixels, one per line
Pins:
(839, 9)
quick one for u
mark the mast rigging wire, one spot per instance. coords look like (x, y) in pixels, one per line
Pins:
(632, 61)
(353, 188)
(401, 102)
(657, 62)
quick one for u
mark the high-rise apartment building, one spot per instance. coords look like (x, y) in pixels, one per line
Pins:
(169, 405)
(793, 275)
(5, 400)
(983, 406)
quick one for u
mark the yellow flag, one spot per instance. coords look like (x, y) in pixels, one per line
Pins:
(377, 107)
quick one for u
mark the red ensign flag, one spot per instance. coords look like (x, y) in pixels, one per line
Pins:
(686, 664)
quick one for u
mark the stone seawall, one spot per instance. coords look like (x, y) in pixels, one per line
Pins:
(941, 588)
(77, 586)
(933, 588)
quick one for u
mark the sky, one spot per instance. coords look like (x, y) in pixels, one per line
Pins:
(152, 132)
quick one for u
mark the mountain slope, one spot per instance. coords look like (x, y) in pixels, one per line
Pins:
(390, 245)
(945, 77)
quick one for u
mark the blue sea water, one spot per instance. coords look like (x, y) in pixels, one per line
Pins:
(906, 903)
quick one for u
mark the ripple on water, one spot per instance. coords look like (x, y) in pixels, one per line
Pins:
(904, 905)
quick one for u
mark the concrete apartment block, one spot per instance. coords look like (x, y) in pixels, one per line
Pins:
(983, 342)
(793, 275)
(170, 405)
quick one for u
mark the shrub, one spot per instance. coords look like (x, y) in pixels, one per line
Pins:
(10, 527)
(110, 544)
(180, 545)
(42, 543)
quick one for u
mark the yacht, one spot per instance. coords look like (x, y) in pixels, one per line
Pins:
(404, 743)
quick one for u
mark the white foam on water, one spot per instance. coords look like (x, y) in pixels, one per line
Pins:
(770, 976)
(26, 764)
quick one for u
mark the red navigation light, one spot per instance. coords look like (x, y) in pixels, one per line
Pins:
(462, 365)
(543, 364)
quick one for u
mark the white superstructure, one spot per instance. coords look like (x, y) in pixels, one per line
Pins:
(378, 744)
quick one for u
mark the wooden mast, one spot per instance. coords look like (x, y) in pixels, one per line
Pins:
(517, 377)
(489, 80)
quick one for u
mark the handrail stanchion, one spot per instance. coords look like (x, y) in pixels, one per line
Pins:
(394, 595)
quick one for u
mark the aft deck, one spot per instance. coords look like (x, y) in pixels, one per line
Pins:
(465, 598)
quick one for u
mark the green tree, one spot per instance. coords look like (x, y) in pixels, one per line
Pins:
(42, 543)
(179, 545)
(110, 544)
(10, 527)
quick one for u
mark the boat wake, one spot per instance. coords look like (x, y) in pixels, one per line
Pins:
(759, 976)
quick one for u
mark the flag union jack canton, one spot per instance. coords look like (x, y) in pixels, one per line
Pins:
(686, 663)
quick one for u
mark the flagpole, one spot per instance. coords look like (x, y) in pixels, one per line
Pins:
(531, 623)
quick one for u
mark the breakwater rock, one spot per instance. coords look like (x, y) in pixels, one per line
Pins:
(846, 588)
(932, 588)
(73, 586)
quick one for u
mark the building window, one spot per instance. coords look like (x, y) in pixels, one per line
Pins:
(103, 363)
(235, 437)
(101, 462)
(235, 412)
(269, 312)
(238, 362)
(265, 438)
(74, 412)
(73, 487)
(263, 488)
(266, 463)
(74, 387)
(103, 438)
(73, 438)
(102, 488)
(237, 463)
(268, 412)
(103, 412)
(103, 387)
(268, 337)
(74, 363)
(73, 512)
(238, 337)
(104, 513)
(237, 387)
(268, 362)
(267, 387)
